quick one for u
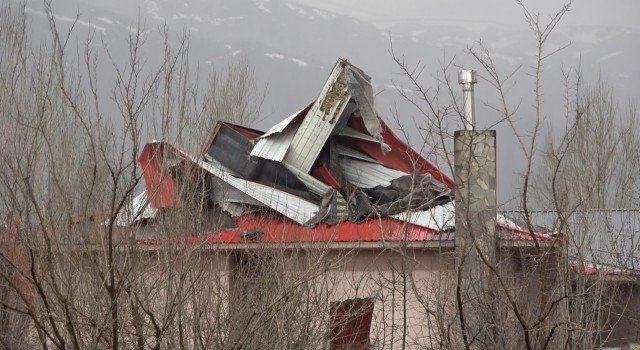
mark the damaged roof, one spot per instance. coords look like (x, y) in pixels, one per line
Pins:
(333, 172)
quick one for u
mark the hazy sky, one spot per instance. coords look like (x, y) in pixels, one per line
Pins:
(274, 35)
(617, 13)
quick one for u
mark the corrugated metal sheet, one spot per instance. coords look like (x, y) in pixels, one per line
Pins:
(349, 132)
(367, 174)
(314, 185)
(507, 223)
(282, 125)
(442, 218)
(401, 157)
(276, 146)
(224, 193)
(139, 209)
(319, 122)
(294, 146)
(348, 152)
(234, 209)
(157, 178)
(439, 218)
(276, 141)
(293, 207)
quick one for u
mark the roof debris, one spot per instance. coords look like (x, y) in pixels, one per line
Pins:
(334, 171)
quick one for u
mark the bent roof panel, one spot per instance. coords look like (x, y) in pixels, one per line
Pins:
(320, 121)
(440, 218)
(366, 174)
(291, 206)
(275, 142)
(139, 209)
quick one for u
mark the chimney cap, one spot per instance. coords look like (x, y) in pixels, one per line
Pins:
(467, 76)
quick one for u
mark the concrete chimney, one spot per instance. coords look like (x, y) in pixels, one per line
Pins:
(475, 202)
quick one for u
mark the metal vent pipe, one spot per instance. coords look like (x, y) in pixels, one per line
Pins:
(467, 78)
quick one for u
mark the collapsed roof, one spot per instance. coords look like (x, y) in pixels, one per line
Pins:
(334, 171)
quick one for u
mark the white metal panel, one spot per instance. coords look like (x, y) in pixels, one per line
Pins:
(234, 209)
(367, 174)
(291, 206)
(319, 121)
(505, 222)
(275, 146)
(225, 193)
(440, 218)
(443, 217)
(275, 142)
(138, 209)
(350, 132)
(278, 128)
(346, 151)
(314, 185)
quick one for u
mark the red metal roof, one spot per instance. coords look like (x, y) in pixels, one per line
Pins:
(160, 184)
(276, 229)
(401, 157)
(160, 162)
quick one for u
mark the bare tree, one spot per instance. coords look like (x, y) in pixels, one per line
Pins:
(72, 276)
(585, 167)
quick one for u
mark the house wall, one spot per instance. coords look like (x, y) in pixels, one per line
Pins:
(405, 286)
(196, 297)
(622, 316)
(288, 301)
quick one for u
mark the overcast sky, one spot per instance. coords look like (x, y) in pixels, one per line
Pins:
(293, 46)
(616, 13)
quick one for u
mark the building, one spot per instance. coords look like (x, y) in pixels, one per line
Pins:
(328, 231)
(332, 182)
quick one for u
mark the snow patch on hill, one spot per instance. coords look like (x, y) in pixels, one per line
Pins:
(300, 62)
(153, 9)
(104, 20)
(275, 56)
(609, 56)
(188, 17)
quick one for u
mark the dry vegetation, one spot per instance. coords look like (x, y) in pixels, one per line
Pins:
(71, 278)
